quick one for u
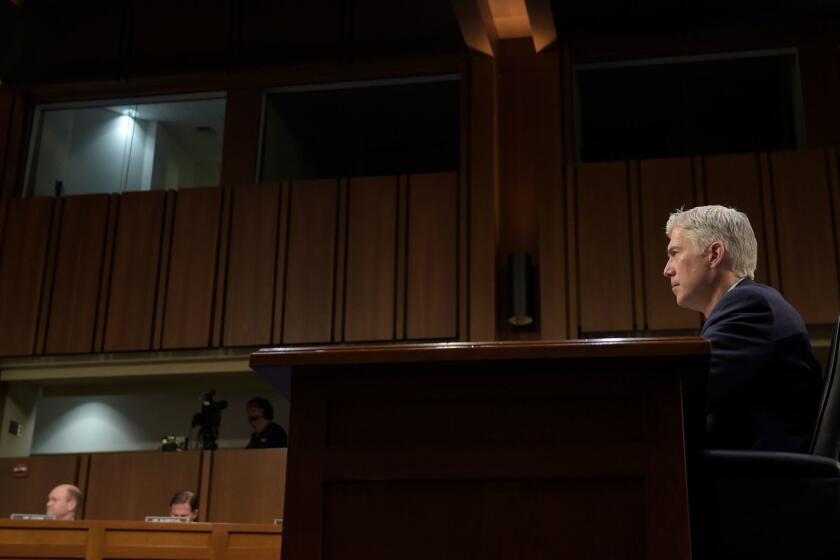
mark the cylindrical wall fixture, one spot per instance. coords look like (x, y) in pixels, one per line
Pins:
(519, 266)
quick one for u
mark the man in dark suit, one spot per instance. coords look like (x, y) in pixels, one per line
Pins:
(764, 379)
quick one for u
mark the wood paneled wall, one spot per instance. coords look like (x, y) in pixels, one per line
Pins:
(618, 243)
(367, 259)
(245, 487)
(132, 485)
(234, 485)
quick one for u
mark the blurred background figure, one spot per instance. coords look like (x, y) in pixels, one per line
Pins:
(184, 504)
(267, 433)
(64, 501)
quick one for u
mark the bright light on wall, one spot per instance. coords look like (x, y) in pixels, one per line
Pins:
(126, 125)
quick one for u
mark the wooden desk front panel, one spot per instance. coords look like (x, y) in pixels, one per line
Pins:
(579, 458)
(120, 540)
(43, 539)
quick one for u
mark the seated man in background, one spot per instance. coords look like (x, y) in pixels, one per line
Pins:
(184, 504)
(267, 433)
(764, 380)
(64, 501)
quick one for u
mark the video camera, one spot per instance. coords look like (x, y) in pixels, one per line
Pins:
(208, 420)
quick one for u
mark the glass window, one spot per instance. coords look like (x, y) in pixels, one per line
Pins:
(679, 107)
(126, 146)
(386, 127)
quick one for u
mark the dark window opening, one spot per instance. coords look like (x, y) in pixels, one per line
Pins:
(692, 108)
(362, 131)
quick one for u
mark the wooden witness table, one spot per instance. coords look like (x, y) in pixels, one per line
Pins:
(95, 540)
(572, 449)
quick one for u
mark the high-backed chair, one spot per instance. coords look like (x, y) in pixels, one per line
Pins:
(825, 440)
(766, 504)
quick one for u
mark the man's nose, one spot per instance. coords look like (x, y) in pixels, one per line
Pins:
(669, 270)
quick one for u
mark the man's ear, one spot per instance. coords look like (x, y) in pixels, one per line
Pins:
(715, 254)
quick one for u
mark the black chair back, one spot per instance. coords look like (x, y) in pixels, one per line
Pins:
(825, 440)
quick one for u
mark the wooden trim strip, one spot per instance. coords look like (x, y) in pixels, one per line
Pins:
(281, 264)
(48, 281)
(340, 266)
(163, 277)
(217, 316)
(401, 260)
(110, 242)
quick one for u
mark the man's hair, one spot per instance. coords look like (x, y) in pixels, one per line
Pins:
(264, 405)
(704, 225)
(74, 493)
(185, 497)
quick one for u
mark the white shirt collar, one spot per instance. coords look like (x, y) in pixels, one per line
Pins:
(732, 287)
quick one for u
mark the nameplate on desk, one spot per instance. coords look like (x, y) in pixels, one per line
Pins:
(278, 521)
(33, 516)
(166, 519)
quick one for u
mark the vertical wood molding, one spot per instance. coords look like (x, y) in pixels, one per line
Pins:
(483, 198)
(432, 274)
(572, 268)
(774, 277)
(107, 273)
(82, 478)
(251, 266)
(222, 260)
(77, 279)
(243, 109)
(401, 260)
(191, 283)
(281, 264)
(340, 276)
(49, 277)
(204, 478)
(551, 209)
(137, 260)
(371, 259)
(310, 285)
(464, 246)
(165, 259)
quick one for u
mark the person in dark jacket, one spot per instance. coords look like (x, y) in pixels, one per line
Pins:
(764, 380)
(267, 433)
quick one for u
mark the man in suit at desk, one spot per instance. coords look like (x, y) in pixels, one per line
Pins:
(64, 501)
(764, 379)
